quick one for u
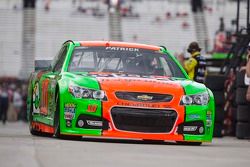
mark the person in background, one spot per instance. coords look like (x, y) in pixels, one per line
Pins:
(47, 5)
(4, 103)
(247, 74)
(222, 24)
(196, 64)
(247, 78)
(24, 106)
(17, 101)
(181, 58)
(197, 5)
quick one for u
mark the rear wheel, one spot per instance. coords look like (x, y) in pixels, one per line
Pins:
(32, 130)
(35, 131)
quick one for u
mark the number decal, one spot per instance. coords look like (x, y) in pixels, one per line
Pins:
(44, 102)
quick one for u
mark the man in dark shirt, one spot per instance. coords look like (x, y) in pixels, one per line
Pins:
(4, 103)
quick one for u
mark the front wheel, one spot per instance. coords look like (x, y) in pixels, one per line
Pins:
(189, 143)
(57, 118)
(57, 132)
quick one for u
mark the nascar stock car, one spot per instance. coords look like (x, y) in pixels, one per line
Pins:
(119, 90)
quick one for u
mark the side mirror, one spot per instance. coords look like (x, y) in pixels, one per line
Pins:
(42, 65)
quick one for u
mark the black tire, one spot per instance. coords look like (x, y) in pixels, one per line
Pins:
(241, 96)
(57, 132)
(33, 131)
(148, 141)
(218, 130)
(219, 114)
(240, 77)
(219, 97)
(189, 143)
(243, 113)
(243, 130)
(215, 82)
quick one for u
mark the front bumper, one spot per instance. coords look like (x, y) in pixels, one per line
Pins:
(192, 123)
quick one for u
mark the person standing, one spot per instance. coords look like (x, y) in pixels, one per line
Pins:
(4, 103)
(247, 74)
(47, 5)
(197, 5)
(196, 64)
(18, 102)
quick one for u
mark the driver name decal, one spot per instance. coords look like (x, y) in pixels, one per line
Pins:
(123, 49)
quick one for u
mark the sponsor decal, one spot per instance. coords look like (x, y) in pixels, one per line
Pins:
(69, 111)
(45, 96)
(68, 123)
(146, 105)
(35, 98)
(123, 49)
(94, 123)
(91, 108)
(209, 119)
(189, 128)
(194, 116)
(80, 123)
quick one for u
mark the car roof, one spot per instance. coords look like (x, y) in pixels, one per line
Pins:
(118, 44)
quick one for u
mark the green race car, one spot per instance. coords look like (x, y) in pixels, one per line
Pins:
(119, 90)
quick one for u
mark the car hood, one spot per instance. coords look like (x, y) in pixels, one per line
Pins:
(135, 83)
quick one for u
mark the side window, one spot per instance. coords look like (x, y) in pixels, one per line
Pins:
(60, 59)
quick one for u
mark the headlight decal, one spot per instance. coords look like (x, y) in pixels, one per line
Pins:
(82, 92)
(196, 99)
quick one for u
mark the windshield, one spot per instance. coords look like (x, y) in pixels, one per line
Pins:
(123, 60)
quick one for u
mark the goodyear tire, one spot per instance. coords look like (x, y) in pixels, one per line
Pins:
(240, 76)
(57, 132)
(215, 82)
(33, 131)
(219, 114)
(219, 97)
(242, 130)
(57, 117)
(243, 113)
(189, 143)
(218, 130)
(241, 96)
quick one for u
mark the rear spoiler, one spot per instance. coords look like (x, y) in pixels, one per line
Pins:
(42, 64)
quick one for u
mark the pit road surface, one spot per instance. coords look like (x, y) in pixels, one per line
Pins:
(19, 149)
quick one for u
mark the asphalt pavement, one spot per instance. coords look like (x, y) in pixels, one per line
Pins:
(19, 149)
